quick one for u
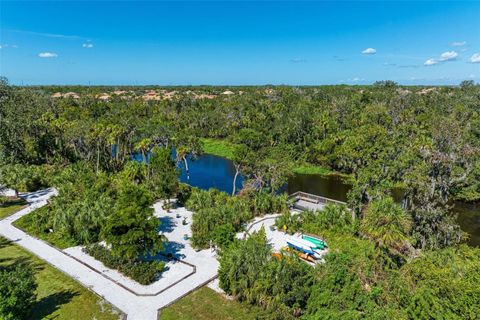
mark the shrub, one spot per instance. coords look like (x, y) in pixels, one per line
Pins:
(25, 178)
(144, 272)
(335, 218)
(183, 194)
(250, 273)
(217, 210)
(3, 200)
(17, 291)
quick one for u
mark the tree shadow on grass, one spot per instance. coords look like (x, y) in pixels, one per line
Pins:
(4, 243)
(49, 304)
(11, 261)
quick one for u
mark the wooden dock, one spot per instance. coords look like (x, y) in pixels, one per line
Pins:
(307, 201)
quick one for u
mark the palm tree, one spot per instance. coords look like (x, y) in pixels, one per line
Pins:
(386, 223)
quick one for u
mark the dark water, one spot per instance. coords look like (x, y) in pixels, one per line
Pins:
(209, 171)
(331, 187)
(469, 220)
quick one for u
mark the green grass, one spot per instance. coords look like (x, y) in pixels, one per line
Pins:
(206, 304)
(218, 147)
(11, 207)
(58, 296)
(312, 169)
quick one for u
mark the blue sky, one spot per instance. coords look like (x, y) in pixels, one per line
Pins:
(228, 42)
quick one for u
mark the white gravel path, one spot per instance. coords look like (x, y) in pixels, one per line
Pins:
(134, 306)
(174, 272)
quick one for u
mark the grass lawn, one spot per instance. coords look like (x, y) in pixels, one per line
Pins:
(218, 147)
(11, 207)
(206, 304)
(312, 169)
(58, 296)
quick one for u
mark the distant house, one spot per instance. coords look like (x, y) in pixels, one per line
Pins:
(151, 95)
(66, 95)
(426, 91)
(103, 96)
(228, 92)
(71, 95)
(205, 96)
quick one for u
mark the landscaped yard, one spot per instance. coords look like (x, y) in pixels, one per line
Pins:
(58, 296)
(206, 304)
(11, 207)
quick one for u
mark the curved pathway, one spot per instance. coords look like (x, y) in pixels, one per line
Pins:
(134, 306)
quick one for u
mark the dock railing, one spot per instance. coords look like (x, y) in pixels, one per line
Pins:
(300, 195)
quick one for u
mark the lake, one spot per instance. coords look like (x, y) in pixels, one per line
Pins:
(209, 171)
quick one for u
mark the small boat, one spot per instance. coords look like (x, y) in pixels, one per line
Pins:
(302, 246)
(303, 256)
(319, 243)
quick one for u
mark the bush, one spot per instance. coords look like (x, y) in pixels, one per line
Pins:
(25, 178)
(144, 272)
(200, 199)
(249, 272)
(335, 218)
(218, 216)
(17, 291)
(183, 194)
(78, 213)
(4, 200)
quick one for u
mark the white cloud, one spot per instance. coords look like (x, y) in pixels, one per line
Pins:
(47, 55)
(297, 60)
(3, 46)
(356, 79)
(458, 43)
(49, 35)
(369, 51)
(87, 45)
(448, 55)
(475, 58)
(430, 62)
(444, 57)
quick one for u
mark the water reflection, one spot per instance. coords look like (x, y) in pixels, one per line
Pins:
(209, 171)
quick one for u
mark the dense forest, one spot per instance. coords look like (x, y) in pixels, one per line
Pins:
(388, 260)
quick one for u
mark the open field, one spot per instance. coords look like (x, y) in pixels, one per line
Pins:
(58, 296)
(206, 304)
